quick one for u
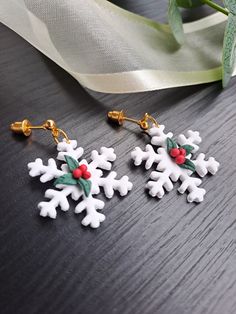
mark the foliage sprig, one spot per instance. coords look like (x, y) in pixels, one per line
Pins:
(229, 43)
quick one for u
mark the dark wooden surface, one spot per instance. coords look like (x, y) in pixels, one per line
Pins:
(149, 256)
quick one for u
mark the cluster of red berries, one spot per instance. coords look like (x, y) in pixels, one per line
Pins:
(179, 155)
(81, 171)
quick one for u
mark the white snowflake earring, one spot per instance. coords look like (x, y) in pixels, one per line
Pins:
(173, 158)
(76, 178)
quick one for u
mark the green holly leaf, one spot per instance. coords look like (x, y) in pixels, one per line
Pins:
(188, 165)
(66, 179)
(85, 186)
(71, 162)
(170, 144)
(188, 148)
(189, 3)
(175, 21)
(228, 57)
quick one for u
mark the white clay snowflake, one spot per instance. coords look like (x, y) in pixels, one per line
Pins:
(170, 167)
(80, 184)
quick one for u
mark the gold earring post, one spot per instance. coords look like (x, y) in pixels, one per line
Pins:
(25, 127)
(119, 117)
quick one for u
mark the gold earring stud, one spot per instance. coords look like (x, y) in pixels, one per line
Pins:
(25, 127)
(119, 117)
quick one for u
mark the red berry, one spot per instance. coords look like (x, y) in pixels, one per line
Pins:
(83, 168)
(86, 175)
(180, 159)
(77, 173)
(174, 152)
(182, 151)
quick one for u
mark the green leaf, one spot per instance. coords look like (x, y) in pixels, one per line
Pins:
(188, 165)
(66, 179)
(170, 144)
(175, 21)
(230, 5)
(85, 185)
(188, 148)
(188, 4)
(71, 162)
(228, 57)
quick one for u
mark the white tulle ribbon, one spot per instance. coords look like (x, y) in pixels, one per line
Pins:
(108, 49)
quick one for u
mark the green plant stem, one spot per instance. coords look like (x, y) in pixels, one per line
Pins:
(215, 6)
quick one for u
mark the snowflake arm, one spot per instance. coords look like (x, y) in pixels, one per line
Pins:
(46, 173)
(93, 218)
(104, 159)
(161, 182)
(148, 155)
(159, 136)
(193, 138)
(69, 149)
(204, 166)
(191, 184)
(110, 184)
(162, 179)
(58, 199)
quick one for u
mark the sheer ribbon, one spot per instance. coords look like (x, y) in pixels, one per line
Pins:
(108, 49)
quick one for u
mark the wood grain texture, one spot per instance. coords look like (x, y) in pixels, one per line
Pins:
(149, 256)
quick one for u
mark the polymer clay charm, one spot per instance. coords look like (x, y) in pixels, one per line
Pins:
(79, 180)
(174, 159)
(75, 178)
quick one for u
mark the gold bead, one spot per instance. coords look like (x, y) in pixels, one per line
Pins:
(50, 125)
(144, 125)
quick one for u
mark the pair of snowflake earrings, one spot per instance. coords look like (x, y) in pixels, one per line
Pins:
(82, 180)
